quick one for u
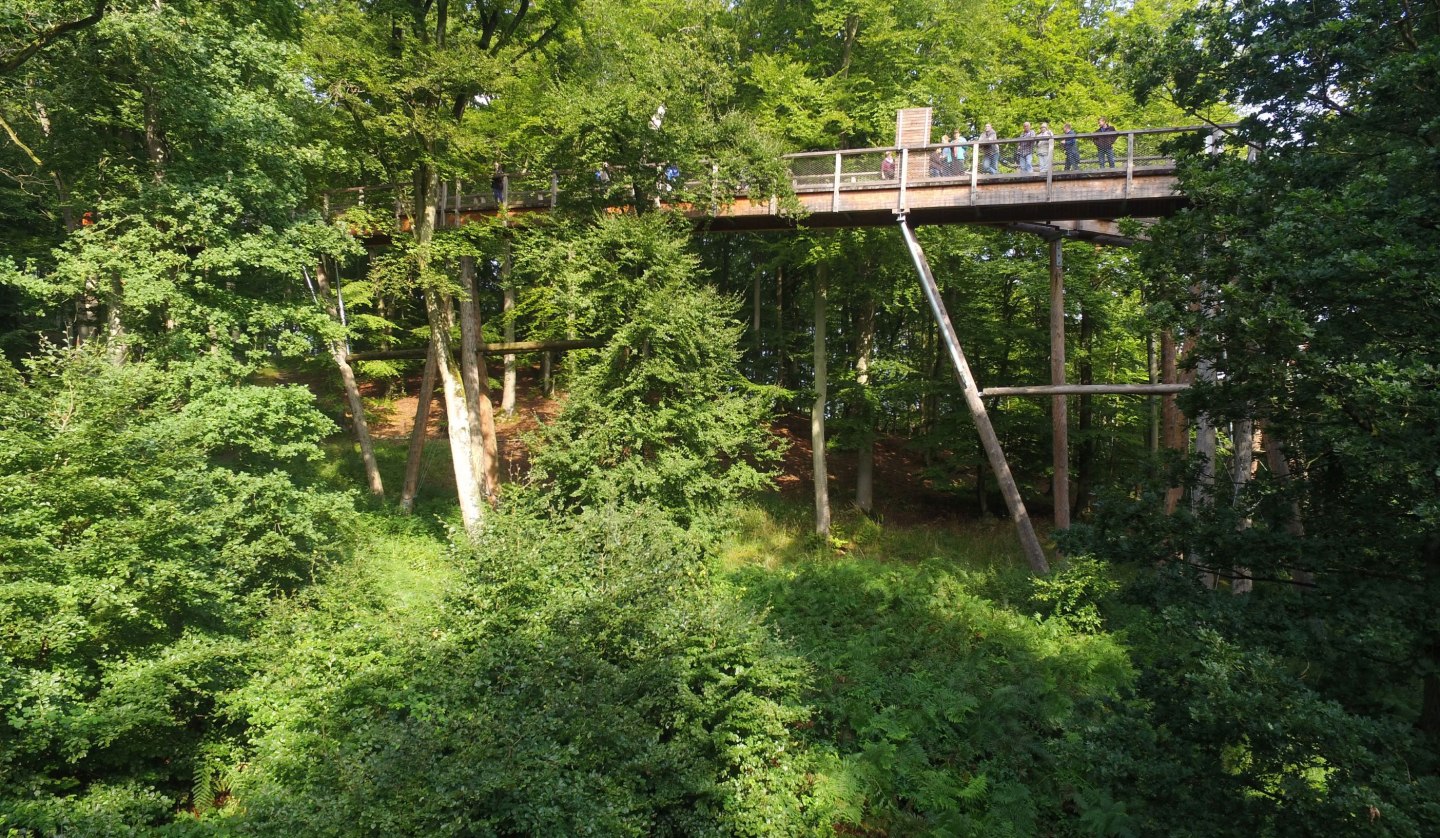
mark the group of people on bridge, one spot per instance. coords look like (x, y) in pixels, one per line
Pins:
(1032, 151)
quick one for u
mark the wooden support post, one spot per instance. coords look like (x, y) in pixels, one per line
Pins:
(1034, 554)
(1153, 373)
(817, 410)
(507, 285)
(1172, 420)
(1059, 416)
(835, 185)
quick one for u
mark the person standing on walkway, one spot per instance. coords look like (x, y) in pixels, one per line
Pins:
(1044, 140)
(887, 166)
(1105, 144)
(947, 156)
(1072, 148)
(498, 185)
(1025, 150)
(991, 165)
(959, 152)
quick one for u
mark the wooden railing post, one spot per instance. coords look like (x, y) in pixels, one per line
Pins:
(974, 168)
(1050, 169)
(904, 176)
(835, 186)
(1129, 160)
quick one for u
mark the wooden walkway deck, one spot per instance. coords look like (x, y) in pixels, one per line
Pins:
(1077, 197)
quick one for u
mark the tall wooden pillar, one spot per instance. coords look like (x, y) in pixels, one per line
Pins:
(1059, 413)
(1172, 420)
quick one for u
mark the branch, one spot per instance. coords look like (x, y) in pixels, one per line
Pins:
(16, 139)
(56, 31)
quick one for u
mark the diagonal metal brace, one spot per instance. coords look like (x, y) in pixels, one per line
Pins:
(1034, 554)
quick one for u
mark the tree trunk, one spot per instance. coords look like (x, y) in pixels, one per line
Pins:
(817, 411)
(507, 396)
(115, 348)
(417, 434)
(339, 351)
(780, 358)
(486, 455)
(547, 381)
(1246, 440)
(440, 314)
(1205, 446)
(865, 453)
(1279, 466)
(755, 330)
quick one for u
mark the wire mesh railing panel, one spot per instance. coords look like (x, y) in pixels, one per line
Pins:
(867, 167)
(809, 174)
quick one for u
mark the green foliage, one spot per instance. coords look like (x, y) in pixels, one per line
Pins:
(936, 709)
(661, 414)
(1075, 593)
(585, 675)
(143, 532)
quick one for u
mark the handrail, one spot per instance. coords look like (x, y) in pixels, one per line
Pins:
(973, 163)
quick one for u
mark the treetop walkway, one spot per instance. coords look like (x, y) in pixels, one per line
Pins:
(1066, 186)
(1073, 186)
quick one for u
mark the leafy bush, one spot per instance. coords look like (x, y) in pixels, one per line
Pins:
(937, 712)
(141, 537)
(589, 677)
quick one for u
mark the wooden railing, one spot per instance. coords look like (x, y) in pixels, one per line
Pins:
(971, 163)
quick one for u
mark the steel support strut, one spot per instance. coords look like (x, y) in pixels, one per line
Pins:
(1034, 554)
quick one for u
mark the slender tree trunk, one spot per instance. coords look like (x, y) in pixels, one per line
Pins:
(865, 454)
(1205, 446)
(755, 329)
(1279, 466)
(440, 314)
(339, 351)
(817, 411)
(507, 396)
(486, 455)
(780, 358)
(417, 434)
(547, 382)
(1242, 469)
(87, 312)
(115, 340)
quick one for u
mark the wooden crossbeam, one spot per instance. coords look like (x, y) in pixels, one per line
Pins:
(1086, 390)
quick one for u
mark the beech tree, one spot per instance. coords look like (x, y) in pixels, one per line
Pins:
(410, 75)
